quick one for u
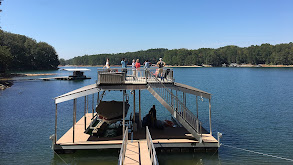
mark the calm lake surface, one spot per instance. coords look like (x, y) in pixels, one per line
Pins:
(252, 107)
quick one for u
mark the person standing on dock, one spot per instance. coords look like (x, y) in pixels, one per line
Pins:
(133, 69)
(153, 114)
(107, 66)
(137, 66)
(147, 66)
(161, 65)
(124, 66)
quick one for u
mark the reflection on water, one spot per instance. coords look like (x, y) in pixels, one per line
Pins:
(88, 157)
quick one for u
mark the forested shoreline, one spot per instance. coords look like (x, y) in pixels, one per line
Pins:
(280, 54)
(19, 52)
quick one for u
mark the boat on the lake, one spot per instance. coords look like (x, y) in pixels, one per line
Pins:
(78, 74)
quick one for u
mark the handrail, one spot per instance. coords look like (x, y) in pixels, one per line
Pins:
(177, 105)
(123, 147)
(151, 148)
(129, 75)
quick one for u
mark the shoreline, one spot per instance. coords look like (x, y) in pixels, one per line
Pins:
(197, 66)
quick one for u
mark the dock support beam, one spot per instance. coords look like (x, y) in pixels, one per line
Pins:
(123, 114)
(56, 124)
(139, 103)
(210, 116)
(74, 118)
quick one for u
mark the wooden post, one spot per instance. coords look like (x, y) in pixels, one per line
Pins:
(139, 103)
(210, 116)
(134, 106)
(56, 124)
(123, 129)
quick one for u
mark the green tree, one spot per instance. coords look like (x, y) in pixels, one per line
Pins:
(5, 58)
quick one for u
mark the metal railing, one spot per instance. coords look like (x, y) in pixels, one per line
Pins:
(151, 148)
(123, 147)
(178, 106)
(129, 75)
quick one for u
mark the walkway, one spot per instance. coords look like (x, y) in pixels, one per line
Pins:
(137, 153)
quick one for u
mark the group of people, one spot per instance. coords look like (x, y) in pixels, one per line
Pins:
(136, 66)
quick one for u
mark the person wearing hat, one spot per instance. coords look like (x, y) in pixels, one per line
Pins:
(161, 65)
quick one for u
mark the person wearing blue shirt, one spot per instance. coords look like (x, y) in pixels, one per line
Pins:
(124, 66)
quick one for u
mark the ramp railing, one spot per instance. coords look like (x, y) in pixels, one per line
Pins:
(129, 75)
(123, 147)
(151, 148)
(178, 107)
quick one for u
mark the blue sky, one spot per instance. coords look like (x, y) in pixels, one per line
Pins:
(76, 28)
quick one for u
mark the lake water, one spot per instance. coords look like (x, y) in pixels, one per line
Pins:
(252, 107)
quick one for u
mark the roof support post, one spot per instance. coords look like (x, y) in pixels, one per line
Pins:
(123, 113)
(93, 99)
(133, 106)
(85, 104)
(139, 103)
(196, 107)
(176, 100)
(56, 124)
(74, 118)
(98, 99)
(172, 98)
(210, 116)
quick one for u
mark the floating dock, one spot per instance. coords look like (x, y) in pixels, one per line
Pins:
(188, 135)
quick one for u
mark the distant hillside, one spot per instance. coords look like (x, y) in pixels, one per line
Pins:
(18, 52)
(280, 54)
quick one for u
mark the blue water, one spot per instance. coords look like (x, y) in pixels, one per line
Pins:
(252, 107)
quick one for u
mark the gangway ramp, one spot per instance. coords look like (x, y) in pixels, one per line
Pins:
(176, 107)
(138, 152)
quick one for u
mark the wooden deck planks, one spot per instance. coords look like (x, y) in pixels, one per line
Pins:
(144, 153)
(132, 153)
(79, 135)
(137, 153)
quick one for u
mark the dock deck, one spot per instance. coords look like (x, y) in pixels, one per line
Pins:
(167, 138)
(186, 135)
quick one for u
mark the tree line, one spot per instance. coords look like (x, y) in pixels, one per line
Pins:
(280, 54)
(19, 52)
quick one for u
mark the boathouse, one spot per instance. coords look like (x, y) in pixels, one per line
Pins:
(188, 134)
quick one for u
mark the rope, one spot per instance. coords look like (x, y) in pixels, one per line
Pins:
(259, 153)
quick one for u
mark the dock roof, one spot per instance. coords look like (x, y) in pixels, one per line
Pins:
(94, 88)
